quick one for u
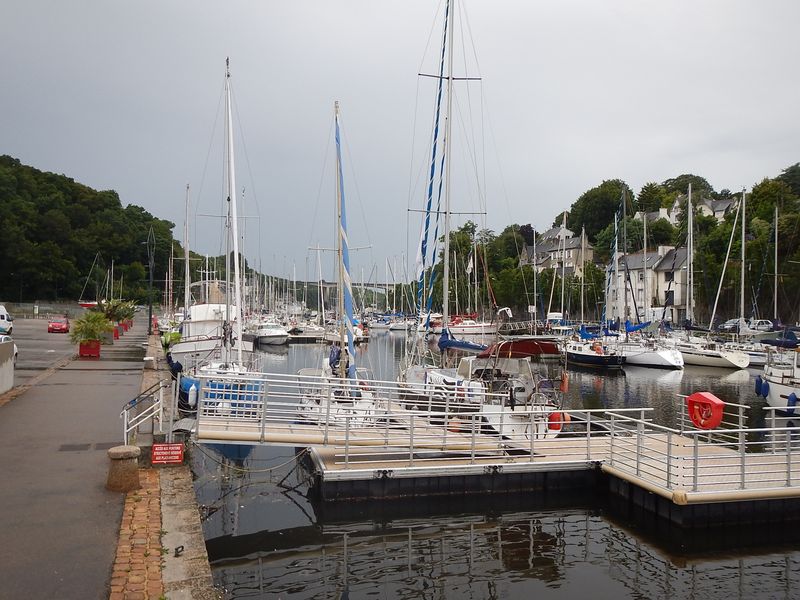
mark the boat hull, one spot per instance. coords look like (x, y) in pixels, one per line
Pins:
(715, 358)
(594, 360)
(662, 358)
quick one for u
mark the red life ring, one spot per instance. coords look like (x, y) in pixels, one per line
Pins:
(705, 410)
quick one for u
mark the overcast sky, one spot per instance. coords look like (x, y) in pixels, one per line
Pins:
(127, 96)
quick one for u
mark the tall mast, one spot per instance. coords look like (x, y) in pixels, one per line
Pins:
(690, 258)
(447, 132)
(775, 288)
(625, 254)
(234, 230)
(563, 260)
(187, 295)
(583, 266)
(644, 271)
(535, 292)
(741, 283)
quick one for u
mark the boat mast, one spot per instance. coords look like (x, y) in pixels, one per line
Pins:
(447, 141)
(644, 271)
(583, 266)
(690, 259)
(233, 220)
(187, 295)
(775, 288)
(563, 262)
(741, 282)
(535, 292)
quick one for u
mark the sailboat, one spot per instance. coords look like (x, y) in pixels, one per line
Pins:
(632, 344)
(212, 332)
(705, 351)
(431, 385)
(337, 393)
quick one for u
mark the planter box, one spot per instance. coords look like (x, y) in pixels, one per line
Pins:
(116, 332)
(107, 338)
(124, 325)
(89, 349)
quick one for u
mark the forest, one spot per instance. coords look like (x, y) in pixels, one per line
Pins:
(55, 229)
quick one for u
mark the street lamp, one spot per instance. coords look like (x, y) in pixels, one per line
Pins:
(151, 258)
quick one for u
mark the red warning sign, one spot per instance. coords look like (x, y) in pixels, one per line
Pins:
(167, 454)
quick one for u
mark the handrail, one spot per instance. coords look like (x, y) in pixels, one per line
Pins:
(131, 422)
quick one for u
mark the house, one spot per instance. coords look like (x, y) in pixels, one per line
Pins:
(558, 248)
(661, 275)
(718, 209)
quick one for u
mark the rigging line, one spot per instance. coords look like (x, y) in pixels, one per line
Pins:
(354, 180)
(249, 172)
(321, 183)
(199, 192)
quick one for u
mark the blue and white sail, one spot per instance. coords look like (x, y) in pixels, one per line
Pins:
(422, 264)
(347, 328)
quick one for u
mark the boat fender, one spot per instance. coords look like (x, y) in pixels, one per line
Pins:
(758, 385)
(791, 402)
(556, 420)
(564, 387)
(765, 388)
(193, 396)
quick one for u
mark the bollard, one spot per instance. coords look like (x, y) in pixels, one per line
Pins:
(123, 472)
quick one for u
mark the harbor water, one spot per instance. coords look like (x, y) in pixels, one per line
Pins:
(268, 538)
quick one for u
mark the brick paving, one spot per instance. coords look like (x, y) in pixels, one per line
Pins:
(136, 574)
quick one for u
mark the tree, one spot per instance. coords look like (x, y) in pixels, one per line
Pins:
(791, 177)
(596, 207)
(681, 183)
(659, 233)
(651, 197)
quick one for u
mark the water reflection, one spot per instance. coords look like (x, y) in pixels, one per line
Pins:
(266, 539)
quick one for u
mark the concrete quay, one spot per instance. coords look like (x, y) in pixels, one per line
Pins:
(63, 534)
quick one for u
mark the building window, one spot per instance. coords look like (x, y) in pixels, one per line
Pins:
(669, 298)
(669, 275)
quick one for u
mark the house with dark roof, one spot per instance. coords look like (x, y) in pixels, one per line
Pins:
(557, 248)
(662, 276)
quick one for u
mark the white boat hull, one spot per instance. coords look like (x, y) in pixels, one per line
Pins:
(661, 358)
(725, 359)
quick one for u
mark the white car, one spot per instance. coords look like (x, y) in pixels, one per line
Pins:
(8, 338)
(761, 324)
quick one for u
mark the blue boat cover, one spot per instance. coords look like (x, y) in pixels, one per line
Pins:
(446, 342)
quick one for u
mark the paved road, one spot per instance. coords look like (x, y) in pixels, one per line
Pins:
(58, 524)
(38, 350)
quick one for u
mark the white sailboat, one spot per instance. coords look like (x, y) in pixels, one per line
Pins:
(337, 394)
(468, 384)
(706, 352)
(212, 331)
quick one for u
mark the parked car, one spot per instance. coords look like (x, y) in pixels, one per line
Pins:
(6, 325)
(58, 325)
(730, 326)
(761, 324)
(8, 338)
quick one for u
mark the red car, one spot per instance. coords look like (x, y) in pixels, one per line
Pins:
(58, 326)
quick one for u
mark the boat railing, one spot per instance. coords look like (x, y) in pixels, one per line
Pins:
(146, 406)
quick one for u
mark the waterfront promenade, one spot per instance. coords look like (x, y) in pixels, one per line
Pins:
(63, 534)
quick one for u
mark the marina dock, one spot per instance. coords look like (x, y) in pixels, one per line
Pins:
(689, 476)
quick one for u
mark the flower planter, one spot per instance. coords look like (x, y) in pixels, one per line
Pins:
(89, 349)
(124, 325)
(116, 332)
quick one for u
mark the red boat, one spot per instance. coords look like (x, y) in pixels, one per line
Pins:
(523, 347)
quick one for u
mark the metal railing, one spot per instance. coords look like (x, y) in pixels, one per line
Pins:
(730, 458)
(379, 422)
(144, 407)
